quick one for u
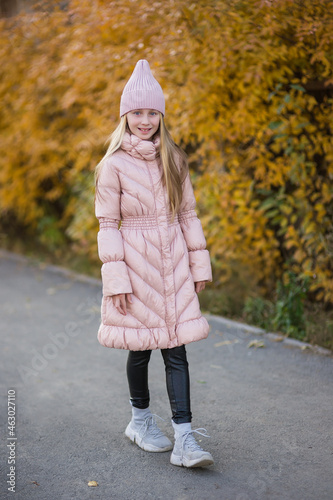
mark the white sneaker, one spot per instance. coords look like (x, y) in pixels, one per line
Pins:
(147, 435)
(187, 452)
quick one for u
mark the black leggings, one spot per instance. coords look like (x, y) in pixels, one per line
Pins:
(177, 381)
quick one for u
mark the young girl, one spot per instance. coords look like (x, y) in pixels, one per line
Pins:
(153, 265)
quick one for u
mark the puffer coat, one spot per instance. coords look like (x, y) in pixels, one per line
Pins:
(155, 259)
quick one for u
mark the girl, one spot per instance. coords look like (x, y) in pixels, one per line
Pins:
(153, 265)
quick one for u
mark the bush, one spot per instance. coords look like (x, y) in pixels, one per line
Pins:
(248, 90)
(258, 311)
(289, 308)
(286, 313)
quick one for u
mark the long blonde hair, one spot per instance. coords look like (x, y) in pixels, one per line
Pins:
(114, 140)
(173, 159)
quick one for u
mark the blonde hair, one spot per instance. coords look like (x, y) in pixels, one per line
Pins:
(173, 174)
(173, 159)
(115, 140)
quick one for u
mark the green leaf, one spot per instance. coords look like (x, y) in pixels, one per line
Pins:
(272, 213)
(303, 124)
(279, 136)
(275, 125)
(297, 87)
(269, 203)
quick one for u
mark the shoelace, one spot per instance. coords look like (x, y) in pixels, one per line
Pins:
(149, 425)
(190, 441)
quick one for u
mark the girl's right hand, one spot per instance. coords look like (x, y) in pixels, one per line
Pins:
(119, 301)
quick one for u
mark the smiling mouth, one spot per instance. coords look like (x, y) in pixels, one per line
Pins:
(144, 129)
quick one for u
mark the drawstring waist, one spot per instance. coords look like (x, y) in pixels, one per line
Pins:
(146, 222)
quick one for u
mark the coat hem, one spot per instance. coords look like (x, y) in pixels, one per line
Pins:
(143, 339)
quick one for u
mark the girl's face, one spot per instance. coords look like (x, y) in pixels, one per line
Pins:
(143, 122)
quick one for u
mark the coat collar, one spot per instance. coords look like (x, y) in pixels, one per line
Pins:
(139, 148)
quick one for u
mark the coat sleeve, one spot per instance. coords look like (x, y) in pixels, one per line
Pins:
(200, 264)
(115, 277)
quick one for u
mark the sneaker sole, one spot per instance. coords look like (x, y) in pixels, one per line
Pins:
(199, 462)
(144, 446)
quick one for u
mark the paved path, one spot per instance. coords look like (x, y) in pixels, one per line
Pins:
(268, 410)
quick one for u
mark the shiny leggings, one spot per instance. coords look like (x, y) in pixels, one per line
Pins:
(177, 381)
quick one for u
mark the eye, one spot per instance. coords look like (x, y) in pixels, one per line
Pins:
(153, 113)
(136, 113)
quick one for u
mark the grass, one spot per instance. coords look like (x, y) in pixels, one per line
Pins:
(315, 325)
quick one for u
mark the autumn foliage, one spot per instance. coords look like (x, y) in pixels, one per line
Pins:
(248, 89)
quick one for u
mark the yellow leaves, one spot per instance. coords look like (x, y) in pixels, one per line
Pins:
(310, 228)
(256, 344)
(327, 193)
(307, 265)
(93, 483)
(226, 342)
(239, 99)
(69, 98)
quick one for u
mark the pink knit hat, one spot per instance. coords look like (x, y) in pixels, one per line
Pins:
(142, 91)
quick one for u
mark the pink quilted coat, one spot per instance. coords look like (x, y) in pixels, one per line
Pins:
(154, 259)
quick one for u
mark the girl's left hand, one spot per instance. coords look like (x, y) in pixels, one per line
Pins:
(199, 286)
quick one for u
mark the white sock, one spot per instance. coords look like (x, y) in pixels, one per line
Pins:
(180, 429)
(139, 415)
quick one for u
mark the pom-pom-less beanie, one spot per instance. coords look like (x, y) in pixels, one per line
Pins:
(142, 91)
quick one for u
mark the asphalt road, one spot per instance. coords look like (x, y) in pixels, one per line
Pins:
(268, 410)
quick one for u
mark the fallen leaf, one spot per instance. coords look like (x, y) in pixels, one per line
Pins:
(226, 342)
(256, 343)
(277, 339)
(93, 483)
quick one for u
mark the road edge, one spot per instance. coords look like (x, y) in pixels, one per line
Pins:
(274, 337)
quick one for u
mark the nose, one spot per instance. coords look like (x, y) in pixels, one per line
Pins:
(145, 119)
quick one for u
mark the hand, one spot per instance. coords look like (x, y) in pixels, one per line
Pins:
(119, 302)
(199, 286)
